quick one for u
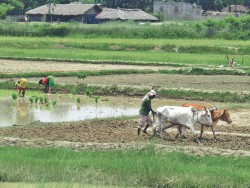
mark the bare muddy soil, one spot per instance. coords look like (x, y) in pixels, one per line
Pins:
(233, 139)
(18, 66)
(200, 82)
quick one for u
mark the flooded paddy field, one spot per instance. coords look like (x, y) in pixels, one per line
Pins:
(80, 126)
(23, 112)
(64, 126)
(67, 108)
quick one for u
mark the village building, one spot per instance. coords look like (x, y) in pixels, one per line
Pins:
(77, 12)
(109, 14)
(235, 9)
(178, 10)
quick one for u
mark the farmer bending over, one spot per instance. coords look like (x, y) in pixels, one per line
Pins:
(48, 82)
(21, 86)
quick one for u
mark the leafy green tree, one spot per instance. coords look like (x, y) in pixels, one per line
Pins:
(11, 7)
(218, 4)
(4, 8)
(18, 4)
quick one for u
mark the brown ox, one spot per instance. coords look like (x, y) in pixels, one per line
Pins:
(216, 116)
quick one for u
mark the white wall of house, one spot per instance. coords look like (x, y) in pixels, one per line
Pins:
(178, 10)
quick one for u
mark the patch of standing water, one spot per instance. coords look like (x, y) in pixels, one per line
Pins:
(22, 111)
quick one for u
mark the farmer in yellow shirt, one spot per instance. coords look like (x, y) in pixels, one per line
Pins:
(21, 86)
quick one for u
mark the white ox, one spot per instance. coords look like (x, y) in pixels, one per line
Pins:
(182, 116)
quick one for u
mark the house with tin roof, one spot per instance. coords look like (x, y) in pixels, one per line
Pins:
(77, 12)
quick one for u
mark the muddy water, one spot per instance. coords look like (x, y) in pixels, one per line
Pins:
(22, 111)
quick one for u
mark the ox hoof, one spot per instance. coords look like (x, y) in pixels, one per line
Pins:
(196, 140)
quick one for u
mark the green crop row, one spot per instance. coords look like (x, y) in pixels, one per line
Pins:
(140, 91)
(185, 52)
(173, 45)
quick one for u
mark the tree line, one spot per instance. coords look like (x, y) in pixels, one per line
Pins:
(19, 7)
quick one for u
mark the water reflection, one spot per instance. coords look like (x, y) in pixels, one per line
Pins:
(22, 111)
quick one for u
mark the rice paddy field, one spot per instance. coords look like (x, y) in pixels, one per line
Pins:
(129, 50)
(107, 152)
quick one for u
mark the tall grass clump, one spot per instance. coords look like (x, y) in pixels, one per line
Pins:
(14, 96)
(73, 91)
(53, 103)
(89, 92)
(41, 100)
(78, 100)
(97, 98)
(31, 100)
(36, 99)
(45, 100)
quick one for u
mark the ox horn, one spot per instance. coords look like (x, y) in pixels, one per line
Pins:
(213, 108)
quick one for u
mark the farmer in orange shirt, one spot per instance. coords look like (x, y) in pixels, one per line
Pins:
(48, 82)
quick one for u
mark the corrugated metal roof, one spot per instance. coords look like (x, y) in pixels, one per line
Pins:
(125, 14)
(63, 9)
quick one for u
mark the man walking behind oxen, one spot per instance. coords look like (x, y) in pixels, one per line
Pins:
(144, 111)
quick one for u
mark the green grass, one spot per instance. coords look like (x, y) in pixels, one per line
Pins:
(145, 168)
(203, 51)
(145, 56)
(53, 185)
(8, 93)
(32, 42)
